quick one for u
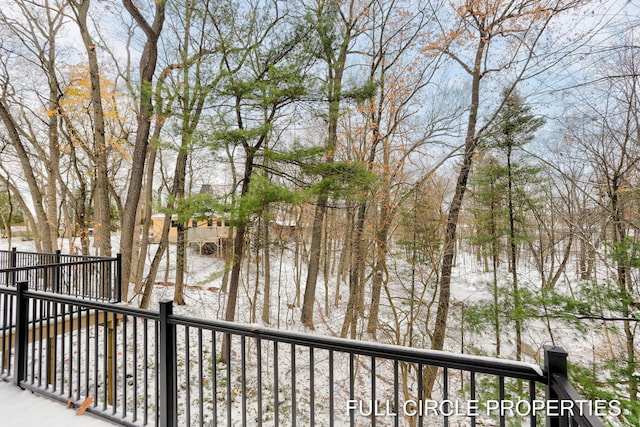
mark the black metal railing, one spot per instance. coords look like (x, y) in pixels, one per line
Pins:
(96, 278)
(156, 368)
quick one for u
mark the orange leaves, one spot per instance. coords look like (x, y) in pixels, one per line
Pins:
(491, 10)
(487, 18)
(77, 93)
(76, 109)
(438, 43)
(484, 22)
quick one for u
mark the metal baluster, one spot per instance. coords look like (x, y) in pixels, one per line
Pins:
(293, 386)
(374, 404)
(214, 355)
(228, 358)
(472, 380)
(125, 340)
(445, 395)
(502, 399)
(243, 375)
(311, 387)
(276, 398)
(331, 390)
(259, 373)
(420, 398)
(201, 376)
(351, 386)
(396, 399)
(187, 380)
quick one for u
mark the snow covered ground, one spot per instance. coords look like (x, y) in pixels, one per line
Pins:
(204, 277)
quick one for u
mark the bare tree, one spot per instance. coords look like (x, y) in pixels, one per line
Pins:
(34, 30)
(148, 61)
(609, 143)
(478, 27)
(102, 205)
(337, 25)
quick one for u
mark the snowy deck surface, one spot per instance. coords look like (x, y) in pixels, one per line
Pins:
(21, 408)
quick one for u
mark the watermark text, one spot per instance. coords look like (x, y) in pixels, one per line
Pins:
(489, 408)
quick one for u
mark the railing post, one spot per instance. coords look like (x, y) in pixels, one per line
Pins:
(118, 279)
(13, 261)
(111, 321)
(56, 273)
(167, 374)
(22, 328)
(555, 363)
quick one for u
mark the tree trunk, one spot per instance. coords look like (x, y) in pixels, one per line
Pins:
(335, 73)
(449, 245)
(314, 262)
(102, 207)
(146, 220)
(236, 257)
(43, 237)
(155, 263)
(380, 275)
(148, 61)
(513, 255)
(355, 304)
(181, 255)
(179, 179)
(267, 275)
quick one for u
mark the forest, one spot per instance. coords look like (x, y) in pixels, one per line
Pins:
(386, 150)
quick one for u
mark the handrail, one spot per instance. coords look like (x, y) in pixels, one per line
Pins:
(565, 391)
(53, 254)
(118, 308)
(61, 264)
(172, 368)
(480, 364)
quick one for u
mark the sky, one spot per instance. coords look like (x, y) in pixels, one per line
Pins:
(25, 409)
